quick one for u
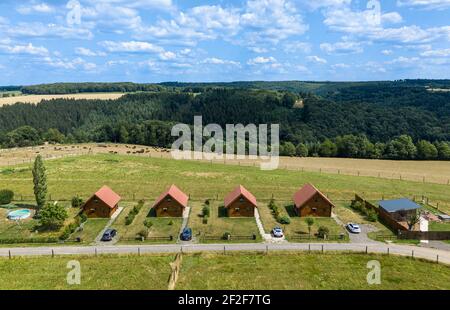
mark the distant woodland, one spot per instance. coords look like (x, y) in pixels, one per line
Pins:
(397, 120)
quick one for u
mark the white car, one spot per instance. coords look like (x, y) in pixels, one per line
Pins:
(354, 228)
(277, 232)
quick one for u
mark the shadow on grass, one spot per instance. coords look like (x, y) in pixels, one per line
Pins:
(290, 209)
(223, 211)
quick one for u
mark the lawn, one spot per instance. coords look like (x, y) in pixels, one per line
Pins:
(91, 230)
(28, 228)
(161, 227)
(219, 223)
(97, 273)
(307, 271)
(298, 226)
(435, 226)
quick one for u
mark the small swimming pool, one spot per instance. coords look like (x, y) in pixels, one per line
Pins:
(19, 215)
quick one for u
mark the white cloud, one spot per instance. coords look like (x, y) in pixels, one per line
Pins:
(261, 60)
(316, 59)
(167, 55)
(218, 61)
(340, 66)
(34, 7)
(437, 53)
(38, 29)
(297, 47)
(427, 4)
(77, 63)
(138, 4)
(82, 51)
(131, 47)
(342, 48)
(29, 49)
(386, 52)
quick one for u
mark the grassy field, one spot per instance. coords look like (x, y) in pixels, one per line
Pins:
(90, 231)
(230, 272)
(219, 223)
(435, 226)
(298, 226)
(101, 273)
(146, 178)
(161, 227)
(34, 99)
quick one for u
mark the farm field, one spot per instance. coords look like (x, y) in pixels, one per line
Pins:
(218, 224)
(35, 99)
(135, 177)
(431, 171)
(230, 272)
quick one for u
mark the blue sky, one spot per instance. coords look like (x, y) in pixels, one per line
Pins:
(174, 40)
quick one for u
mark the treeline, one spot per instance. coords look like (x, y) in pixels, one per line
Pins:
(351, 146)
(146, 118)
(74, 88)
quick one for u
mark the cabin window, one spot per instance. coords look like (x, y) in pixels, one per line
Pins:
(314, 209)
(237, 209)
(241, 199)
(164, 209)
(169, 199)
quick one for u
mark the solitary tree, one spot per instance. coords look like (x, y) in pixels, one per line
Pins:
(412, 219)
(40, 182)
(310, 222)
(53, 216)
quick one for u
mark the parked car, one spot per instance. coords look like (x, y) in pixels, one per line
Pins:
(277, 232)
(109, 234)
(354, 228)
(186, 235)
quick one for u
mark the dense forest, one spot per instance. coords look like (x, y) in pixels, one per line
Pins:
(398, 120)
(73, 88)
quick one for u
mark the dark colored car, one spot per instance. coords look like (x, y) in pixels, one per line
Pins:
(109, 234)
(186, 235)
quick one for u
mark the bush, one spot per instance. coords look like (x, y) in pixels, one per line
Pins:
(148, 223)
(83, 218)
(53, 216)
(143, 234)
(77, 202)
(272, 204)
(206, 211)
(129, 219)
(205, 219)
(207, 202)
(323, 231)
(135, 211)
(226, 236)
(171, 223)
(357, 205)
(6, 196)
(372, 216)
(284, 219)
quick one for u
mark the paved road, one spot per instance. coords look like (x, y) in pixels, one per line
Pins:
(404, 250)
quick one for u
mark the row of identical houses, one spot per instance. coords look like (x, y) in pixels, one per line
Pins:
(240, 202)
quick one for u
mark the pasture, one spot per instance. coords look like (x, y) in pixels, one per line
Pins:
(237, 271)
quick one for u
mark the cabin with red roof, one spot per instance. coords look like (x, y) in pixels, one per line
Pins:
(309, 201)
(171, 203)
(240, 203)
(102, 204)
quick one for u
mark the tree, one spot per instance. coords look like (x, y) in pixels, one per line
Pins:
(54, 136)
(40, 182)
(301, 150)
(328, 148)
(52, 216)
(412, 219)
(443, 149)
(426, 150)
(123, 135)
(287, 149)
(401, 147)
(323, 232)
(310, 222)
(23, 136)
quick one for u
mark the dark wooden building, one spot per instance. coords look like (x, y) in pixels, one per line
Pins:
(102, 204)
(309, 201)
(240, 203)
(171, 203)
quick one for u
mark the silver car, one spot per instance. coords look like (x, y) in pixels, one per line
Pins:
(277, 232)
(354, 228)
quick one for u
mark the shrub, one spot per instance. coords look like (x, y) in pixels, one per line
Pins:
(226, 236)
(205, 219)
(135, 211)
(6, 196)
(206, 211)
(372, 216)
(323, 231)
(148, 223)
(83, 218)
(170, 222)
(129, 219)
(357, 205)
(143, 234)
(284, 219)
(77, 202)
(272, 204)
(207, 202)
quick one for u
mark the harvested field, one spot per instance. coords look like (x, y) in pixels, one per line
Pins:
(35, 99)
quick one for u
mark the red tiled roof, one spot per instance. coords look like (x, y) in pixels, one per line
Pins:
(176, 194)
(107, 195)
(235, 194)
(306, 193)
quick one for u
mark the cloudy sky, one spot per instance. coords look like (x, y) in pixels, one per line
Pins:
(222, 40)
